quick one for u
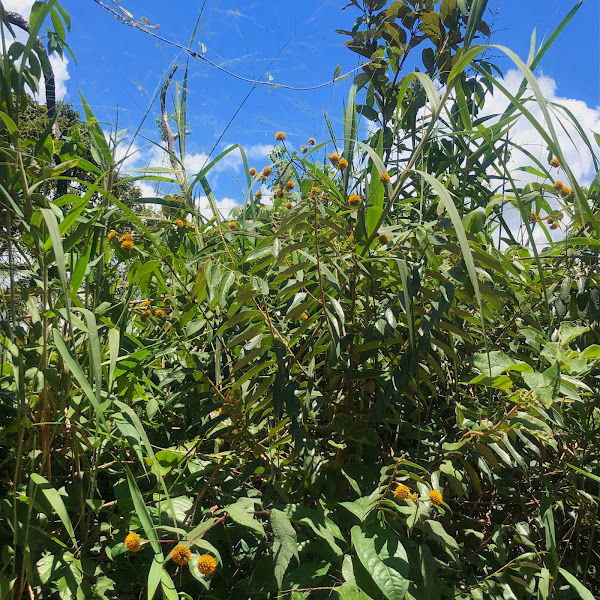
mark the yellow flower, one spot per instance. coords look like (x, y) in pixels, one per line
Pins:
(343, 163)
(304, 149)
(549, 220)
(146, 302)
(304, 317)
(179, 223)
(384, 177)
(414, 497)
(279, 193)
(280, 136)
(314, 191)
(554, 226)
(312, 141)
(159, 312)
(436, 497)
(384, 239)
(354, 200)
(564, 191)
(290, 185)
(213, 219)
(555, 162)
(402, 492)
(288, 204)
(334, 158)
(207, 564)
(535, 217)
(133, 542)
(232, 225)
(267, 171)
(146, 314)
(258, 195)
(127, 245)
(112, 234)
(252, 172)
(127, 237)
(181, 554)
(558, 185)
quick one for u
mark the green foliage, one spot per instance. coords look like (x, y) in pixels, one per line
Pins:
(371, 387)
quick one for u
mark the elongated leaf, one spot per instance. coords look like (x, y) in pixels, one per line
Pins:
(583, 592)
(285, 544)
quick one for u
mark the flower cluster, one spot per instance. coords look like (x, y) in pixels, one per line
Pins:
(354, 200)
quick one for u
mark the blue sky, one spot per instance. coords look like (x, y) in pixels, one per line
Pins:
(294, 42)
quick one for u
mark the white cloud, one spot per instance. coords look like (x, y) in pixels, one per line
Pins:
(224, 205)
(23, 7)
(60, 67)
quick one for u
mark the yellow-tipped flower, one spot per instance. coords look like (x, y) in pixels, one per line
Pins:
(159, 313)
(564, 191)
(207, 564)
(312, 141)
(252, 172)
(436, 497)
(334, 158)
(146, 302)
(213, 219)
(181, 555)
(402, 492)
(303, 149)
(535, 217)
(146, 313)
(258, 195)
(384, 239)
(279, 193)
(414, 496)
(133, 542)
(554, 226)
(290, 185)
(343, 163)
(555, 162)
(384, 177)
(288, 204)
(267, 171)
(127, 237)
(127, 245)
(179, 223)
(558, 185)
(304, 317)
(354, 200)
(112, 234)
(280, 136)
(232, 225)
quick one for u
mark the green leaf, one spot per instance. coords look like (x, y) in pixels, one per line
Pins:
(436, 530)
(350, 591)
(383, 556)
(55, 502)
(285, 544)
(239, 513)
(546, 385)
(583, 592)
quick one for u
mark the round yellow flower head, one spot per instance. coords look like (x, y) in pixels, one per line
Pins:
(288, 204)
(535, 217)
(179, 223)
(564, 191)
(290, 185)
(127, 245)
(127, 237)
(384, 177)
(436, 497)
(558, 185)
(258, 195)
(252, 172)
(312, 141)
(146, 302)
(354, 200)
(304, 317)
(267, 171)
(384, 239)
(549, 220)
(232, 225)
(303, 149)
(112, 234)
(402, 492)
(554, 226)
(279, 193)
(314, 191)
(334, 158)
(414, 497)
(159, 312)
(181, 555)
(213, 219)
(555, 162)
(280, 136)
(207, 564)
(343, 163)
(133, 542)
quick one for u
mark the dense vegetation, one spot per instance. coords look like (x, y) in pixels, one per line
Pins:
(367, 382)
